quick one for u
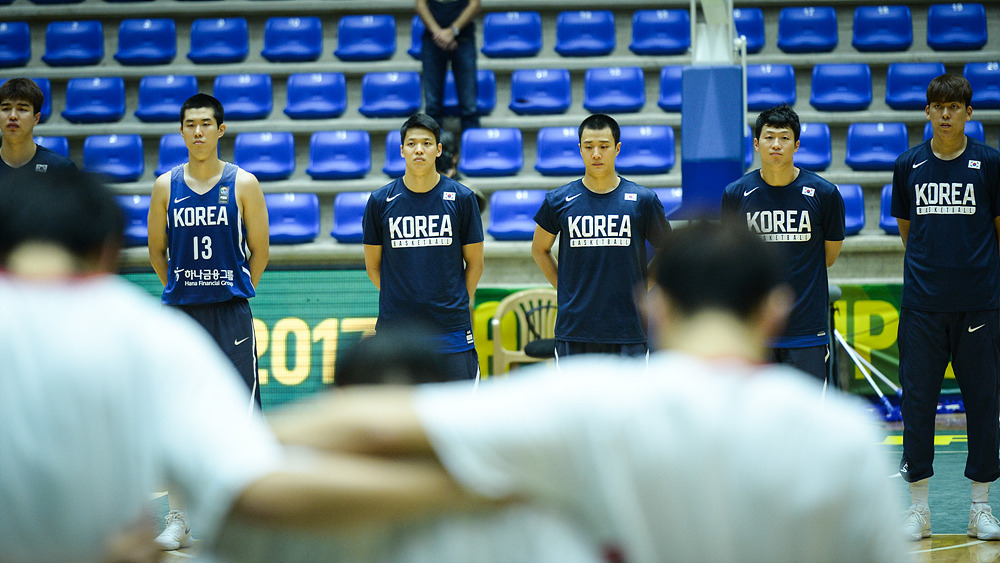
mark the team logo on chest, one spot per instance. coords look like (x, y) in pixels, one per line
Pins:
(781, 225)
(420, 230)
(599, 230)
(942, 198)
(223, 195)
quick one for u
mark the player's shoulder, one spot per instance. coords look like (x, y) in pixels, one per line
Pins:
(451, 184)
(631, 186)
(814, 180)
(45, 155)
(979, 149)
(915, 153)
(738, 184)
(568, 189)
(385, 190)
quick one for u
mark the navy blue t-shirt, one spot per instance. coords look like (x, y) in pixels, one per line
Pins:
(602, 258)
(422, 235)
(799, 218)
(207, 256)
(45, 160)
(952, 262)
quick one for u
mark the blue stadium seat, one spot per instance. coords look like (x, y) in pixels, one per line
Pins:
(219, 40)
(670, 88)
(973, 129)
(646, 149)
(57, 144)
(906, 84)
(854, 208)
(15, 44)
(244, 96)
(886, 221)
(119, 157)
(841, 87)
(94, 100)
(614, 90)
(956, 26)
(173, 152)
(316, 95)
(540, 91)
(146, 41)
(985, 81)
(875, 146)
(558, 152)
(339, 155)
(491, 152)
(512, 34)
(882, 28)
(74, 43)
(366, 38)
(417, 37)
(348, 212)
(268, 156)
(769, 85)
(135, 208)
(750, 23)
(748, 148)
(394, 165)
(160, 97)
(512, 213)
(660, 32)
(810, 29)
(670, 198)
(486, 93)
(390, 94)
(815, 148)
(292, 39)
(292, 218)
(585, 34)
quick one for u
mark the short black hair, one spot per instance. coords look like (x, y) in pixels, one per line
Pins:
(404, 354)
(25, 89)
(201, 100)
(64, 206)
(780, 117)
(949, 88)
(421, 120)
(598, 121)
(710, 265)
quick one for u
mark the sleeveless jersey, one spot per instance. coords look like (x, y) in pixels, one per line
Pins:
(422, 235)
(602, 258)
(45, 160)
(799, 217)
(951, 261)
(207, 257)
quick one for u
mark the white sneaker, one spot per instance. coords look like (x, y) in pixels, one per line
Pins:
(177, 534)
(982, 524)
(917, 523)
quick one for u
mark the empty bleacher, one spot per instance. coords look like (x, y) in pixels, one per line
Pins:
(878, 48)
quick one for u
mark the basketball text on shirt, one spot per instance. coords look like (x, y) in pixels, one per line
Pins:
(420, 230)
(934, 198)
(600, 230)
(789, 225)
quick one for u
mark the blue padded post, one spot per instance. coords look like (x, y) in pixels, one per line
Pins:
(712, 143)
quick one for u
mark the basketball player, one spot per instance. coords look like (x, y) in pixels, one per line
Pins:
(706, 455)
(423, 244)
(208, 243)
(803, 215)
(134, 395)
(946, 200)
(20, 110)
(605, 221)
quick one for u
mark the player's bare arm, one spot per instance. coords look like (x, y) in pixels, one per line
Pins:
(157, 222)
(832, 250)
(474, 266)
(373, 264)
(253, 209)
(904, 229)
(541, 251)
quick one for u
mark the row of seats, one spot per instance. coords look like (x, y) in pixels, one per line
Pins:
(294, 217)
(810, 29)
(835, 87)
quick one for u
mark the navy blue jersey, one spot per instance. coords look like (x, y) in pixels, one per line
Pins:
(422, 235)
(799, 218)
(602, 258)
(207, 257)
(45, 160)
(951, 262)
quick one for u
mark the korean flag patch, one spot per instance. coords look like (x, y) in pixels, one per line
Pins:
(974, 164)
(631, 197)
(449, 196)
(808, 191)
(45, 167)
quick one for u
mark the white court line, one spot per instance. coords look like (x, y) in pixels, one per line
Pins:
(894, 475)
(958, 546)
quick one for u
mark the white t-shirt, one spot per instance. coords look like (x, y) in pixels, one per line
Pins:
(692, 460)
(105, 397)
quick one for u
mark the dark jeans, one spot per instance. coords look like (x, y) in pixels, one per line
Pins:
(463, 65)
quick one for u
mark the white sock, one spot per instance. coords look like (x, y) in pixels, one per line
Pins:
(919, 492)
(980, 492)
